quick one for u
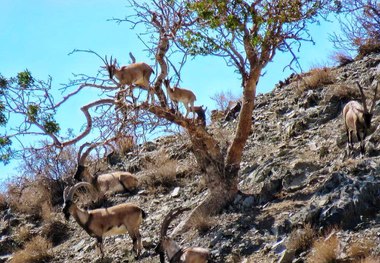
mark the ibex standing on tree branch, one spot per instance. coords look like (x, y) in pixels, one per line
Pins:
(102, 222)
(185, 96)
(357, 119)
(135, 74)
(173, 251)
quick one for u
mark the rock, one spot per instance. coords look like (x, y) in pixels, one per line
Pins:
(175, 192)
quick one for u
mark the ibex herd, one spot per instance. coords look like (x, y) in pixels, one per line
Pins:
(127, 217)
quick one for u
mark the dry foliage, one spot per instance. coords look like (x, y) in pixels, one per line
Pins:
(222, 99)
(301, 239)
(22, 234)
(202, 223)
(370, 260)
(55, 231)
(3, 202)
(36, 250)
(341, 58)
(319, 77)
(30, 197)
(368, 48)
(162, 171)
(360, 249)
(325, 250)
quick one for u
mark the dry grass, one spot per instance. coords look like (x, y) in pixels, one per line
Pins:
(3, 202)
(36, 250)
(325, 250)
(370, 260)
(23, 234)
(341, 58)
(341, 93)
(55, 231)
(162, 171)
(202, 223)
(368, 48)
(30, 197)
(301, 239)
(317, 77)
(360, 249)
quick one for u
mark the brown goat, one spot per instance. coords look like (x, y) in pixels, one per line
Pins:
(102, 222)
(357, 119)
(185, 96)
(135, 74)
(109, 183)
(173, 251)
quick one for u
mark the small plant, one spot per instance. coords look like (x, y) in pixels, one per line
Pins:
(55, 231)
(29, 197)
(162, 171)
(319, 77)
(3, 202)
(35, 251)
(368, 48)
(325, 249)
(202, 223)
(23, 234)
(342, 58)
(301, 239)
(360, 249)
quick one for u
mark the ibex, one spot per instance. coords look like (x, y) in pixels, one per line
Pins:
(173, 251)
(103, 222)
(135, 74)
(185, 96)
(109, 183)
(357, 119)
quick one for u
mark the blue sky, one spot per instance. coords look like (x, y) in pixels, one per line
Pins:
(39, 34)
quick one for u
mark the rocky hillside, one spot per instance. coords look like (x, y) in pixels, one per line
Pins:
(302, 198)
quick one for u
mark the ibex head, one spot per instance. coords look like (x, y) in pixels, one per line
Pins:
(367, 115)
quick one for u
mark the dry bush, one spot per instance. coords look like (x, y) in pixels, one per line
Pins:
(55, 231)
(325, 250)
(30, 197)
(222, 99)
(368, 48)
(301, 239)
(3, 202)
(162, 171)
(36, 250)
(370, 260)
(22, 234)
(319, 77)
(360, 249)
(202, 223)
(341, 58)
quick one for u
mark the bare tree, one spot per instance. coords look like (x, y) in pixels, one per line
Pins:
(359, 24)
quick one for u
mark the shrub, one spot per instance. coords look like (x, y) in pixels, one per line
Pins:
(3, 202)
(301, 239)
(29, 197)
(325, 250)
(22, 234)
(319, 77)
(162, 171)
(202, 223)
(342, 58)
(368, 48)
(360, 249)
(36, 250)
(55, 231)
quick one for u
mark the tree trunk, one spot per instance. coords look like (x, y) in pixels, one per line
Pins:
(221, 175)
